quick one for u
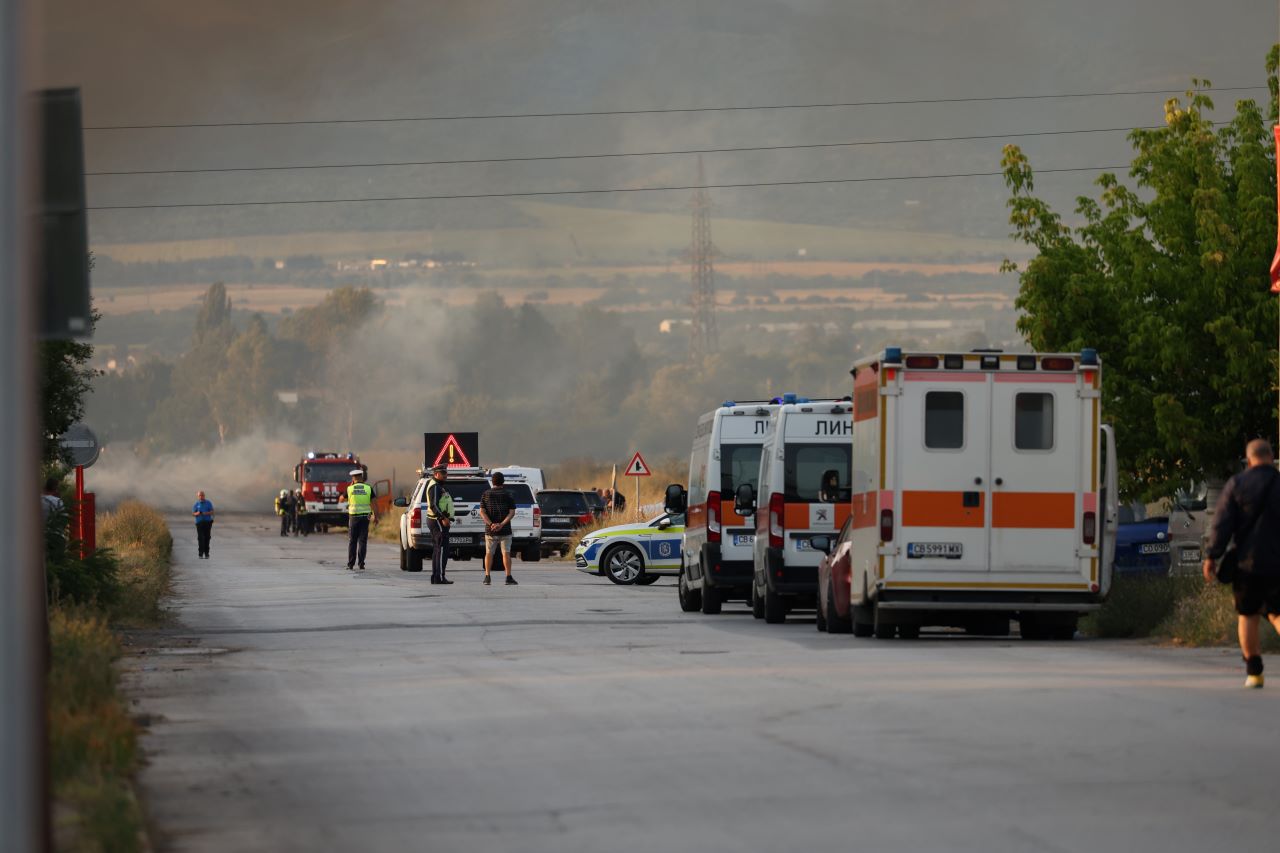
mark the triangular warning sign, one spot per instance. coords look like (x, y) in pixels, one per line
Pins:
(636, 467)
(451, 454)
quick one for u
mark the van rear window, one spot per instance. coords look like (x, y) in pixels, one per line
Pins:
(739, 463)
(1033, 421)
(817, 472)
(944, 420)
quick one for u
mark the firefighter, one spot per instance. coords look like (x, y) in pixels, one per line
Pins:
(439, 517)
(359, 517)
(284, 509)
(299, 514)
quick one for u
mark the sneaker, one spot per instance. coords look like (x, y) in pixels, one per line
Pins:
(351, 568)
(511, 581)
(362, 568)
(1253, 682)
(486, 580)
(444, 580)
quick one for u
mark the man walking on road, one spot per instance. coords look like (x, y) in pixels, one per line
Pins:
(439, 517)
(202, 512)
(359, 517)
(1248, 511)
(497, 508)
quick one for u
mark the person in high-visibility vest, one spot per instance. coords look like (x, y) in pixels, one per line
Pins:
(284, 509)
(300, 524)
(439, 516)
(359, 517)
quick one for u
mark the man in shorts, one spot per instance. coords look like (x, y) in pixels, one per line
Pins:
(1248, 511)
(497, 508)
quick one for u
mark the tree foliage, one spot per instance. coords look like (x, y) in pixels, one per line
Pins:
(1168, 280)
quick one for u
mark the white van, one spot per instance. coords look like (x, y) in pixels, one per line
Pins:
(984, 490)
(532, 477)
(716, 560)
(803, 491)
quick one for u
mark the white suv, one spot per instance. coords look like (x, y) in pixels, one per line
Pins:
(466, 534)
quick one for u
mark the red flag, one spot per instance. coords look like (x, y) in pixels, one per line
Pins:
(1275, 261)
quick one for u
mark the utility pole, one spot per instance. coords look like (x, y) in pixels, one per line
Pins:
(703, 339)
(23, 786)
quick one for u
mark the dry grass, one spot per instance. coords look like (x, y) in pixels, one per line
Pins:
(1206, 616)
(93, 748)
(141, 541)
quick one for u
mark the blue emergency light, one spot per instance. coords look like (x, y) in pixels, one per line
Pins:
(893, 355)
(1089, 355)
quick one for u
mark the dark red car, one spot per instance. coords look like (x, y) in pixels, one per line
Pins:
(833, 583)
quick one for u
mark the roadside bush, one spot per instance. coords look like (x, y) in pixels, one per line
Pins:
(1137, 605)
(92, 580)
(1206, 616)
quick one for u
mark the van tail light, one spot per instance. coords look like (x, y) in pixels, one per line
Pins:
(537, 516)
(1090, 528)
(886, 525)
(586, 518)
(715, 512)
(415, 517)
(777, 519)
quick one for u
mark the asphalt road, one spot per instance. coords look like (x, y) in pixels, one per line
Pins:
(297, 707)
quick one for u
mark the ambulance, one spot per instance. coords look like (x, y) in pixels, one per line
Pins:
(984, 490)
(716, 557)
(802, 490)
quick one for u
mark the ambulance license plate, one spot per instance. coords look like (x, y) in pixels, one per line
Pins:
(1154, 548)
(935, 550)
(744, 539)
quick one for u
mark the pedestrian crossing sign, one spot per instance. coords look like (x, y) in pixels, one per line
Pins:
(637, 467)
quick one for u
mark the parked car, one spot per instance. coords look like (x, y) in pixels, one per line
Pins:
(466, 535)
(1186, 529)
(1142, 542)
(637, 553)
(563, 512)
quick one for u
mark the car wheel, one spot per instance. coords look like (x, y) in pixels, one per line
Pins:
(864, 620)
(836, 624)
(404, 559)
(647, 580)
(775, 609)
(690, 599)
(909, 632)
(757, 603)
(414, 560)
(821, 621)
(622, 564)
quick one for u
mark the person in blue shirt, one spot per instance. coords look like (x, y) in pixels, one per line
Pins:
(202, 511)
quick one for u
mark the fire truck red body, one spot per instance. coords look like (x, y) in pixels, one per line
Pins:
(323, 477)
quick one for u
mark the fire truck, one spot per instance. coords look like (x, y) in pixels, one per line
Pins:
(324, 476)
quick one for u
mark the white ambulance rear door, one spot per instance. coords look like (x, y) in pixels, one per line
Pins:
(941, 465)
(1038, 469)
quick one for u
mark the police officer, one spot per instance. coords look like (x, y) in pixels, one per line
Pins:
(359, 517)
(439, 517)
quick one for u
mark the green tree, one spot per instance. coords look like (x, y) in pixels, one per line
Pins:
(1168, 280)
(65, 380)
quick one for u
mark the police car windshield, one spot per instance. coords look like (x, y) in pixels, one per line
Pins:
(739, 463)
(809, 466)
(333, 472)
(563, 503)
(469, 491)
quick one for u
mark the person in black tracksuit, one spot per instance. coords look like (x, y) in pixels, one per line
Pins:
(439, 517)
(1248, 511)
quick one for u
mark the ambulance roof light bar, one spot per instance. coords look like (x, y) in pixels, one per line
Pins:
(1089, 357)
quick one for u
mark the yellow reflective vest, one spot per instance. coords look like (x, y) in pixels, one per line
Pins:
(359, 499)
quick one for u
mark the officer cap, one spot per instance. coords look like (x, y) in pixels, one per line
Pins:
(356, 472)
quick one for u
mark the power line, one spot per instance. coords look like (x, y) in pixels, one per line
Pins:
(600, 156)
(661, 111)
(602, 191)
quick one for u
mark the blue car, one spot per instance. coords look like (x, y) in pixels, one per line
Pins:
(1142, 543)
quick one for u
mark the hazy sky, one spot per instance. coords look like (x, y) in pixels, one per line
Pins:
(145, 61)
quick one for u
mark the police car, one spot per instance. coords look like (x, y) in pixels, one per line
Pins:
(634, 553)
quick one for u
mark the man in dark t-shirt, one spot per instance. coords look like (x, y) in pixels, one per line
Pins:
(497, 508)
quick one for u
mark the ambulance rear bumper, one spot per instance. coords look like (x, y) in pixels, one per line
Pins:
(1000, 601)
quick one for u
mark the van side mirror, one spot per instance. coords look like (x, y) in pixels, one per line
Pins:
(663, 524)
(676, 499)
(821, 543)
(400, 502)
(744, 500)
